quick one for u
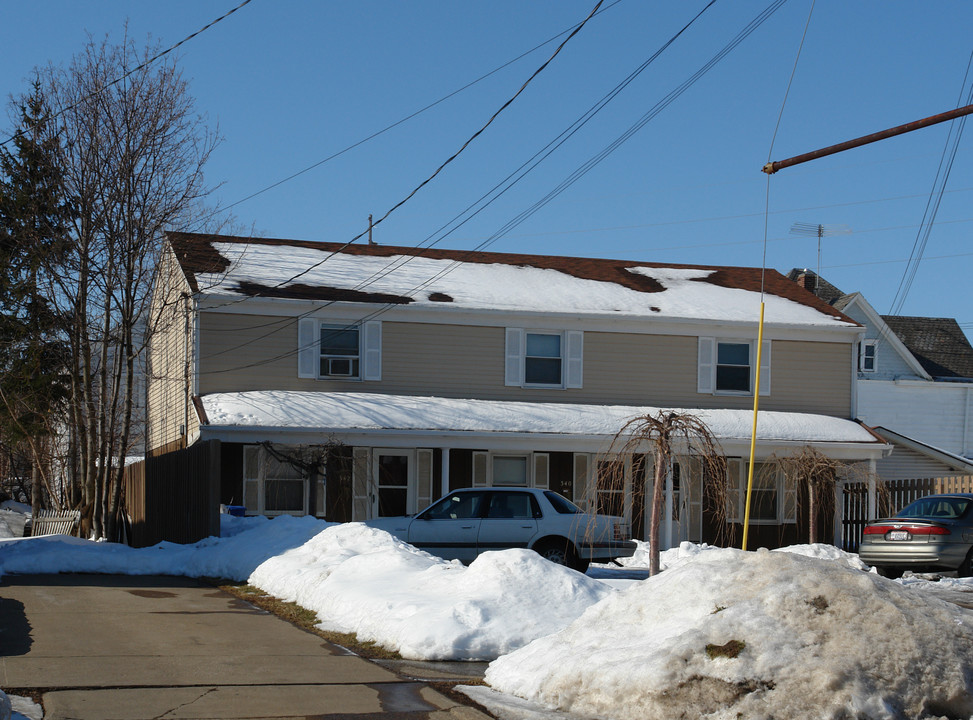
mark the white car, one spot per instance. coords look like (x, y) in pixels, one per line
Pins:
(465, 523)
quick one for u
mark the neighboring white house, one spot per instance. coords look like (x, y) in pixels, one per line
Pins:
(914, 384)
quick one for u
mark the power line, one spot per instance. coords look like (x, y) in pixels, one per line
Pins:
(438, 170)
(144, 65)
(753, 25)
(935, 198)
(395, 124)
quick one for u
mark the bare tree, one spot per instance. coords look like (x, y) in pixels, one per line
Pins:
(132, 151)
(668, 435)
(818, 476)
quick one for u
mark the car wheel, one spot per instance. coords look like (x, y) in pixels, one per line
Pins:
(889, 572)
(965, 568)
(559, 552)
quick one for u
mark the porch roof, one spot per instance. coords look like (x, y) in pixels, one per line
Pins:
(299, 416)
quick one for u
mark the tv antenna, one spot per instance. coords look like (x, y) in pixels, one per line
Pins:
(819, 231)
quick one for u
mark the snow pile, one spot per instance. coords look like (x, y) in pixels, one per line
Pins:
(233, 558)
(362, 580)
(766, 634)
(826, 552)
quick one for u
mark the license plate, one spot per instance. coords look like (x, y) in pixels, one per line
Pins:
(899, 535)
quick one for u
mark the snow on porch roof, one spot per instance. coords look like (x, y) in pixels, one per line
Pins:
(335, 412)
(433, 277)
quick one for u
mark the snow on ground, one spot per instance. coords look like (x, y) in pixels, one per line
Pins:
(362, 580)
(819, 637)
(759, 634)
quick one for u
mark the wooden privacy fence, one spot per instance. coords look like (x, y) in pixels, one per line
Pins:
(892, 496)
(174, 497)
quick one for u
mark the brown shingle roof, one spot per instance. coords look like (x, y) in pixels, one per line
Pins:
(939, 344)
(197, 255)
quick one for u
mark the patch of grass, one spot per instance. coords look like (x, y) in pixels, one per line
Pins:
(304, 619)
(819, 603)
(729, 650)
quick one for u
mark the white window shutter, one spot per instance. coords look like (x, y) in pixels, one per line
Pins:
(706, 365)
(574, 354)
(480, 464)
(361, 504)
(542, 473)
(372, 350)
(734, 497)
(308, 348)
(765, 368)
(424, 458)
(581, 464)
(514, 355)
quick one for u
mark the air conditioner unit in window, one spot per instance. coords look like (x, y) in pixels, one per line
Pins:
(339, 366)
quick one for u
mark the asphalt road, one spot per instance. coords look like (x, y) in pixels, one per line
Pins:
(103, 647)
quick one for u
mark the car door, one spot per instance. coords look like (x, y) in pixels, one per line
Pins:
(449, 527)
(510, 521)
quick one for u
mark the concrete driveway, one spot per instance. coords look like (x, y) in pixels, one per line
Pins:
(104, 647)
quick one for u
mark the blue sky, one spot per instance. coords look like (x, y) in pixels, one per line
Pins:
(291, 83)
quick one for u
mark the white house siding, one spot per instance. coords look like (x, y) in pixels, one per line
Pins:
(254, 352)
(906, 464)
(890, 365)
(938, 414)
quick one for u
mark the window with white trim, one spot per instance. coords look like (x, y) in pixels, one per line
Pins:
(773, 497)
(543, 358)
(272, 486)
(339, 351)
(510, 470)
(868, 356)
(727, 366)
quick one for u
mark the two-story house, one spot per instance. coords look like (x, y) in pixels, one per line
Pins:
(914, 385)
(426, 370)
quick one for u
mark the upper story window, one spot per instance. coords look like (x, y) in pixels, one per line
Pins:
(733, 367)
(543, 358)
(339, 351)
(727, 366)
(868, 356)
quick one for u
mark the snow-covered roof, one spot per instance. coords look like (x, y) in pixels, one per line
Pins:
(329, 412)
(250, 267)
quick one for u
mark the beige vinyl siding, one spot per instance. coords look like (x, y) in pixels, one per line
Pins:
(246, 352)
(907, 464)
(167, 395)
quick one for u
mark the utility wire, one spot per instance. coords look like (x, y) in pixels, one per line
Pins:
(144, 65)
(395, 124)
(935, 197)
(438, 170)
(749, 29)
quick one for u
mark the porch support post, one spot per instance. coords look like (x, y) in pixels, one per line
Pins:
(839, 514)
(444, 484)
(667, 523)
(872, 491)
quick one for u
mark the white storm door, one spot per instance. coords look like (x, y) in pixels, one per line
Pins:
(393, 482)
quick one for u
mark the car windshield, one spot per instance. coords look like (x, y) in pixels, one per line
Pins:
(562, 504)
(936, 508)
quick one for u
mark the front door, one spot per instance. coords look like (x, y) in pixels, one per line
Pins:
(393, 482)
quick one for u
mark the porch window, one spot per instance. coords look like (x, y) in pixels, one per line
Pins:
(611, 487)
(272, 486)
(510, 470)
(773, 498)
